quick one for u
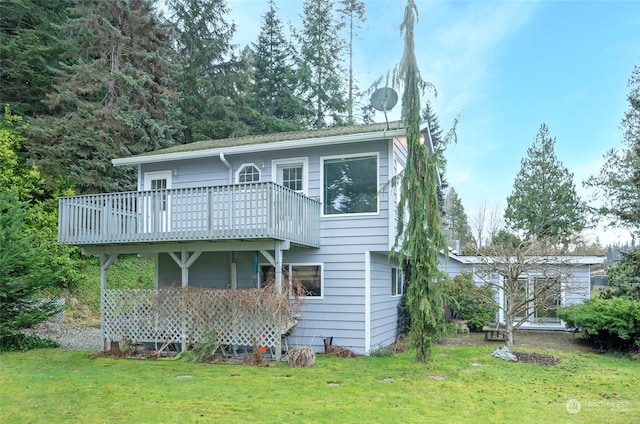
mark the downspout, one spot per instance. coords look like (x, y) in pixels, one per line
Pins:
(233, 266)
(228, 165)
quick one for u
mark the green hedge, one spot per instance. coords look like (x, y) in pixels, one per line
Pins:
(609, 324)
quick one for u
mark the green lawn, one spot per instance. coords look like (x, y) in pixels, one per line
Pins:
(460, 384)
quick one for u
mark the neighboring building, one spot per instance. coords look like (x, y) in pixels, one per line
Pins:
(226, 213)
(543, 316)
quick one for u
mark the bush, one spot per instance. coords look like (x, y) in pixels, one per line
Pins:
(609, 324)
(18, 342)
(469, 302)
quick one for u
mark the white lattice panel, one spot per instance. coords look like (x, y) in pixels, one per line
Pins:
(236, 317)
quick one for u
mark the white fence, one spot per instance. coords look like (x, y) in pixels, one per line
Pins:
(186, 315)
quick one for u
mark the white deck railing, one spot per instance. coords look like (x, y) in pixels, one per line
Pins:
(240, 211)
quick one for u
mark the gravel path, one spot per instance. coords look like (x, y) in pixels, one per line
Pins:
(70, 337)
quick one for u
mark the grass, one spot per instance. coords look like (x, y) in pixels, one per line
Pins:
(460, 384)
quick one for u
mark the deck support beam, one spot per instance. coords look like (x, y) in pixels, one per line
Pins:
(185, 261)
(106, 260)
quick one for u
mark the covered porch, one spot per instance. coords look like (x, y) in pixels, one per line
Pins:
(235, 313)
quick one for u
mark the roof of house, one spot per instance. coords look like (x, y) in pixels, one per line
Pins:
(273, 141)
(559, 259)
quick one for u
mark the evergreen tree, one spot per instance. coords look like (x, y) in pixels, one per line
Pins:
(213, 81)
(21, 283)
(439, 141)
(421, 236)
(455, 222)
(351, 12)
(29, 49)
(31, 260)
(27, 184)
(320, 71)
(544, 203)
(274, 78)
(112, 99)
(618, 184)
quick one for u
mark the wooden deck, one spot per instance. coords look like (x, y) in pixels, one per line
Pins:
(230, 212)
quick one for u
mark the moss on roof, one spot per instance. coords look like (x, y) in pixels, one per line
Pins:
(275, 137)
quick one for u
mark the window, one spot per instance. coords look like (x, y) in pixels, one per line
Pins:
(350, 185)
(397, 281)
(309, 276)
(291, 173)
(160, 184)
(248, 173)
(542, 297)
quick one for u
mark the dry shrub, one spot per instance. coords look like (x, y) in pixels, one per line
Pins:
(255, 358)
(401, 344)
(339, 351)
(301, 357)
(343, 352)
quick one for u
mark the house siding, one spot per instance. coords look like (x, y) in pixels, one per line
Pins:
(340, 313)
(575, 291)
(384, 306)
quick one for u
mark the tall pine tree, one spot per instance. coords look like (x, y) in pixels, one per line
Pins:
(274, 79)
(29, 50)
(440, 142)
(351, 11)
(321, 74)
(544, 203)
(112, 99)
(455, 222)
(618, 184)
(421, 236)
(213, 81)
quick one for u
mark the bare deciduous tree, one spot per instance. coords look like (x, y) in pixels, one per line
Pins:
(528, 280)
(485, 223)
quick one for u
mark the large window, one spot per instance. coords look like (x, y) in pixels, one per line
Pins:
(248, 173)
(350, 185)
(308, 276)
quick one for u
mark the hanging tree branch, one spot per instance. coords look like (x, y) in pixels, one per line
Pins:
(419, 240)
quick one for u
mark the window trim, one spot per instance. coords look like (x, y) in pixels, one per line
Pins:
(242, 167)
(292, 264)
(347, 156)
(292, 161)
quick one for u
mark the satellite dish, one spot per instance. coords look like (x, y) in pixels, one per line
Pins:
(384, 99)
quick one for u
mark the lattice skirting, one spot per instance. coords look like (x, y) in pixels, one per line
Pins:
(186, 315)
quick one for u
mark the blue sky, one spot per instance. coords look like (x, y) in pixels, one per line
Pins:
(505, 67)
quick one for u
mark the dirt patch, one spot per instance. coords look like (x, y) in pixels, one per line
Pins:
(536, 358)
(540, 341)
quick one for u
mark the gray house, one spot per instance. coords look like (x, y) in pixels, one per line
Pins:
(574, 285)
(224, 214)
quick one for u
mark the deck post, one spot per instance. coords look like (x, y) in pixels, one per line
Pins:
(106, 260)
(184, 262)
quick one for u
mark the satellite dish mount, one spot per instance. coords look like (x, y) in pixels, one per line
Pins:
(384, 99)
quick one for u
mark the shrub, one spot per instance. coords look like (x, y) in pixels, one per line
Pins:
(609, 324)
(301, 357)
(19, 342)
(469, 302)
